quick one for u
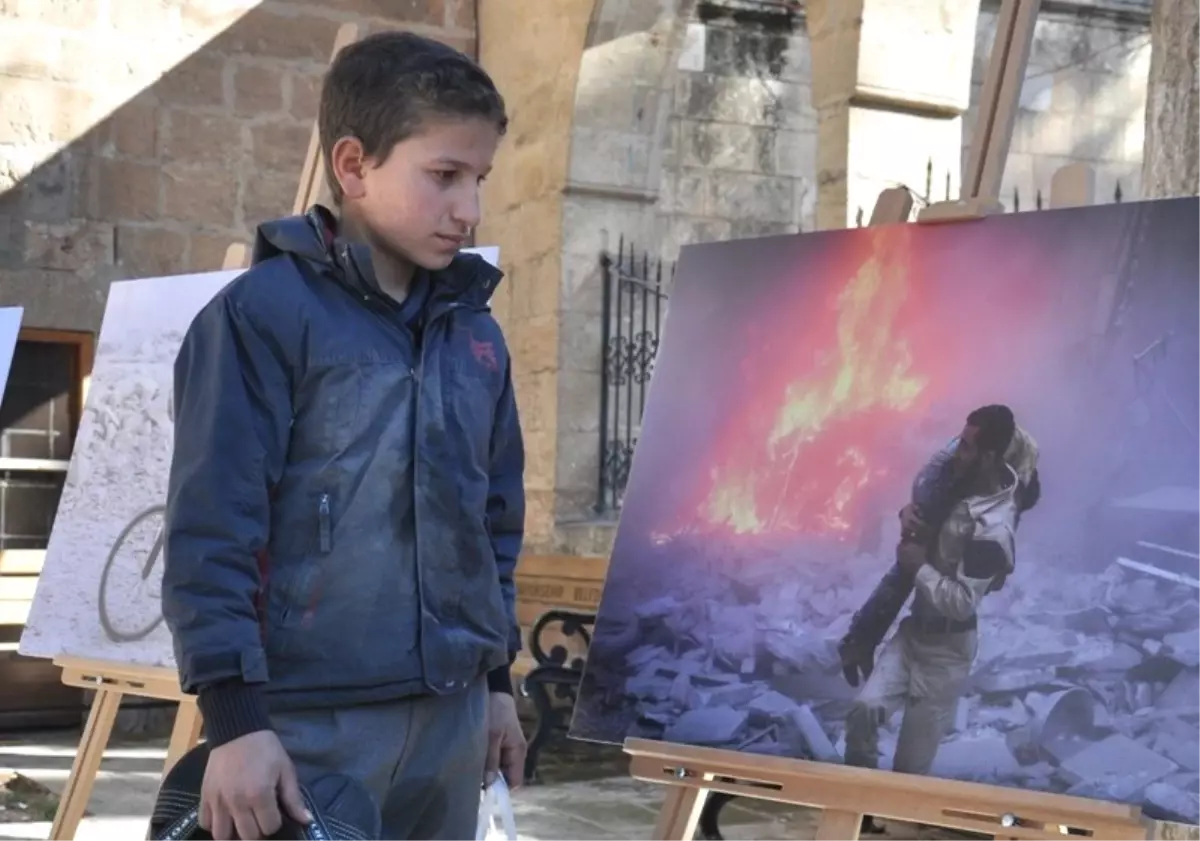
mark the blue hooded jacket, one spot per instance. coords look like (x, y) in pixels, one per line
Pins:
(346, 503)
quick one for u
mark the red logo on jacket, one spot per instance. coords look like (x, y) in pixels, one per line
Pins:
(485, 354)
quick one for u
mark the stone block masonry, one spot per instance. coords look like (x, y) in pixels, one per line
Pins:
(1083, 99)
(142, 137)
(742, 147)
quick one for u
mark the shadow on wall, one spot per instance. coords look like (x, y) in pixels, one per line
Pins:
(112, 168)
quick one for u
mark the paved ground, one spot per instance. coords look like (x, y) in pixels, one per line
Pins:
(584, 794)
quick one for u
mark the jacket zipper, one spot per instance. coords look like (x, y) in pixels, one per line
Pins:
(325, 527)
(418, 375)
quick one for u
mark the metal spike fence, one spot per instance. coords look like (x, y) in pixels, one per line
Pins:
(632, 310)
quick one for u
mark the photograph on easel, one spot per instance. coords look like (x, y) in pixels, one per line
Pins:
(923, 498)
(99, 594)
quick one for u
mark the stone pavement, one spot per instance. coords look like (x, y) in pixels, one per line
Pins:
(584, 794)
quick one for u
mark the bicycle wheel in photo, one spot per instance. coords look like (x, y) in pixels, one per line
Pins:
(130, 604)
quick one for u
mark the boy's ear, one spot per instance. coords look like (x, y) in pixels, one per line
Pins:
(349, 166)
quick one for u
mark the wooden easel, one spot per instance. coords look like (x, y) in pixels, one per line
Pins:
(112, 681)
(845, 794)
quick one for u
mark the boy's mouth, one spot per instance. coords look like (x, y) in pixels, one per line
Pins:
(455, 241)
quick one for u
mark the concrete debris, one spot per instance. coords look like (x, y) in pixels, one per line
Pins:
(1182, 693)
(1177, 741)
(980, 758)
(1006, 716)
(1145, 625)
(819, 746)
(707, 726)
(1183, 648)
(1088, 687)
(1119, 658)
(1016, 680)
(1168, 803)
(1117, 757)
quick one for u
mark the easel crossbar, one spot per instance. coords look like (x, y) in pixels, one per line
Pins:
(159, 684)
(971, 807)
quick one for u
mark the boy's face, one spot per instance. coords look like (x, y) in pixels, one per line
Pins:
(422, 201)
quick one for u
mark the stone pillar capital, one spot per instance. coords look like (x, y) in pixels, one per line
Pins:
(904, 54)
(891, 81)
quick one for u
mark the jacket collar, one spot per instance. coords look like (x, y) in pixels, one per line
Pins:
(469, 279)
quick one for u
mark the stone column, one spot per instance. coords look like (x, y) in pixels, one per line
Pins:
(534, 60)
(891, 81)
(1171, 158)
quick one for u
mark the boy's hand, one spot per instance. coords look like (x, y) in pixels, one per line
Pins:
(506, 741)
(245, 783)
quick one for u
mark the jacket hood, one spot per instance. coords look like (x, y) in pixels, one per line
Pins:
(314, 238)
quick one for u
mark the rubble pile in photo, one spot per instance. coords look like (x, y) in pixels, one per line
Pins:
(1084, 684)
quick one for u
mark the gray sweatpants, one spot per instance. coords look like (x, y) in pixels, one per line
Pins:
(422, 759)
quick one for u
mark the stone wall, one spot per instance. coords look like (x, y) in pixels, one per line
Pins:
(1083, 100)
(742, 144)
(142, 137)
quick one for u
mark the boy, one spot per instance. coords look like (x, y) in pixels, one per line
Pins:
(345, 506)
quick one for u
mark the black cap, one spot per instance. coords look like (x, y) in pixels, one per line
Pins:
(342, 809)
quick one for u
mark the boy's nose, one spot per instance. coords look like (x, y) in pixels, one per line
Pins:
(467, 212)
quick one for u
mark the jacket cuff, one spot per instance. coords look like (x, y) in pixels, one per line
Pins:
(500, 680)
(231, 709)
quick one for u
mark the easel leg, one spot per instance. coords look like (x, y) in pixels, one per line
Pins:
(838, 826)
(86, 765)
(680, 813)
(185, 734)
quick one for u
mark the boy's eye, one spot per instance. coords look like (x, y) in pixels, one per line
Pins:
(446, 175)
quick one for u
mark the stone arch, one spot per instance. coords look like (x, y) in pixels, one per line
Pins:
(588, 84)
(622, 98)
(619, 135)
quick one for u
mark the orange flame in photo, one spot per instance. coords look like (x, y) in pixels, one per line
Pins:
(809, 471)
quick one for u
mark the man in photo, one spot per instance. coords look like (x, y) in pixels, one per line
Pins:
(952, 565)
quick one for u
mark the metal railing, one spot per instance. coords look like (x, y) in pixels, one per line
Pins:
(633, 305)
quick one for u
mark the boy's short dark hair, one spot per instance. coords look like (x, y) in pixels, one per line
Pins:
(382, 88)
